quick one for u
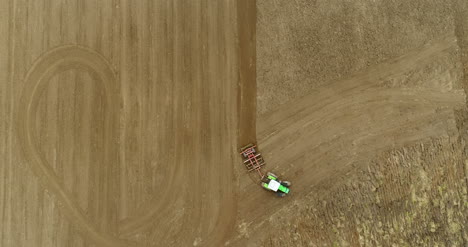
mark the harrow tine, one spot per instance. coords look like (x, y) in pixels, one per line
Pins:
(252, 159)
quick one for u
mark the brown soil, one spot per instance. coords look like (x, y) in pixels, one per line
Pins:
(363, 106)
(122, 120)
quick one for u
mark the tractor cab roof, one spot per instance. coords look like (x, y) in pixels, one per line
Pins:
(273, 185)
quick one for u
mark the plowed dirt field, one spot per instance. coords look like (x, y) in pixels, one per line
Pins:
(121, 122)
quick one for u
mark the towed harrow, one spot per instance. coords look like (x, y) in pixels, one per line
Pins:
(252, 159)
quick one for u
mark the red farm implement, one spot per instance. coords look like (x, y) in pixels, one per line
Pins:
(252, 159)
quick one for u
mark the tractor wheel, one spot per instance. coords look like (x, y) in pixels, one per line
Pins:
(280, 194)
(286, 183)
(271, 174)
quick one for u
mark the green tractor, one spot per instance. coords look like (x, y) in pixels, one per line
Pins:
(272, 183)
(253, 161)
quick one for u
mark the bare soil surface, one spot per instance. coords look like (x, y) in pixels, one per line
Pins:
(121, 122)
(363, 106)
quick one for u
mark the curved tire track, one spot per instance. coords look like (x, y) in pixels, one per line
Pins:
(202, 186)
(322, 133)
(53, 62)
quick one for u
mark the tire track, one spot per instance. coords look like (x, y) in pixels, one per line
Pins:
(53, 62)
(159, 208)
(323, 133)
(325, 149)
(202, 181)
(268, 123)
(221, 183)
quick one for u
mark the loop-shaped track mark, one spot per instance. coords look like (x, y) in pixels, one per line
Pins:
(51, 63)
